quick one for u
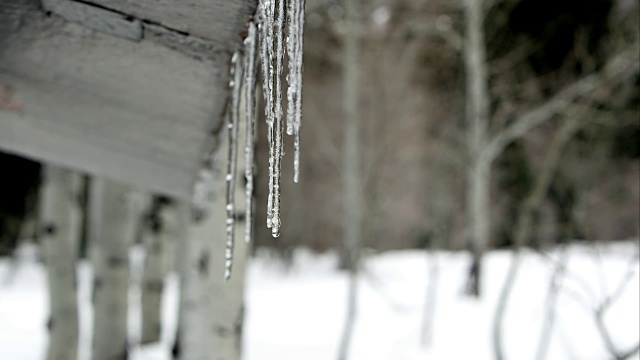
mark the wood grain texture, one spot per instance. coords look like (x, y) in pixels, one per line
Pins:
(136, 112)
(95, 18)
(219, 21)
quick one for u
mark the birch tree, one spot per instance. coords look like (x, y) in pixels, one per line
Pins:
(525, 223)
(111, 271)
(226, 297)
(486, 144)
(60, 221)
(158, 228)
(477, 110)
(193, 268)
(205, 233)
(351, 171)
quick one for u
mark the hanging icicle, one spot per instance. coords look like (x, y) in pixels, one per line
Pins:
(272, 23)
(279, 26)
(266, 39)
(294, 92)
(267, 43)
(250, 44)
(232, 130)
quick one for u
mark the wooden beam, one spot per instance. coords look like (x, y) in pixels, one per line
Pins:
(96, 18)
(135, 112)
(219, 21)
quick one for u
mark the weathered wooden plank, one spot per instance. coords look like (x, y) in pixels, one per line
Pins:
(136, 112)
(220, 21)
(96, 18)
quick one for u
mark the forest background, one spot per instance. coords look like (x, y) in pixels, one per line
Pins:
(516, 122)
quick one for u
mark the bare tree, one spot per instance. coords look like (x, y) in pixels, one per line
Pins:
(351, 171)
(211, 309)
(525, 224)
(95, 213)
(575, 113)
(192, 265)
(111, 272)
(552, 295)
(60, 221)
(440, 209)
(486, 144)
(477, 110)
(600, 311)
(226, 297)
(426, 335)
(158, 224)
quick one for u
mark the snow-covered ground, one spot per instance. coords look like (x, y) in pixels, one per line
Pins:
(298, 314)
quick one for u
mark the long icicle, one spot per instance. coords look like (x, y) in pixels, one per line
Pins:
(266, 9)
(276, 26)
(292, 44)
(251, 43)
(299, 30)
(232, 131)
(273, 17)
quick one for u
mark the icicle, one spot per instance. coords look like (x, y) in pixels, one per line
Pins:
(272, 23)
(292, 44)
(232, 131)
(294, 91)
(250, 103)
(299, 30)
(266, 50)
(279, 24)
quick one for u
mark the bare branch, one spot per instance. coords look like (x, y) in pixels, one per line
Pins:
(525, 222)
(618, 69)
(550, 305)
(631, 270)
(599, 311)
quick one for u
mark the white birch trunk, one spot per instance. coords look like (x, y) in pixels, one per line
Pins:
(60, 220)
(351, 170)
(96, 215)
(212, 309)
(478, 209)
(205, 233)
(111, 274)
(194, 272)
(477, 108)
(158, 224)
(226, 298)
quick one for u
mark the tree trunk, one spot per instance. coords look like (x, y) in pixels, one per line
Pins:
(95, 213)
(60, 220)
(204, 245)
(111, 274)
(158, 228)
(477, 109)
(431, 297)
(526, 221)
(226, 297)
(479, 184)
(193, 269)
(351, 170)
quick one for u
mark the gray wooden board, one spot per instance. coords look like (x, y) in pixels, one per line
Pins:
(220, 21)
(95, 18)
(136, 112)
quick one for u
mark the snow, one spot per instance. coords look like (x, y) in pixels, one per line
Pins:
(297, 313)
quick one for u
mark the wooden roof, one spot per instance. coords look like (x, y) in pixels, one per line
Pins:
(130, 90)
